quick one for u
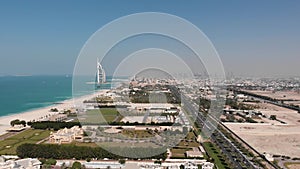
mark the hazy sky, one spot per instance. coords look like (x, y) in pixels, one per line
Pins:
(260, 38)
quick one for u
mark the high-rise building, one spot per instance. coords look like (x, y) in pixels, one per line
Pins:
(101, 77)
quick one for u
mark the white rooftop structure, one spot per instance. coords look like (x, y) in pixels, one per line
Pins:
(269, 157)
(190, 165)
(17, 127)
(207, 165)
(112, 165)
(66, 135)
(196, 153)
(27, 163)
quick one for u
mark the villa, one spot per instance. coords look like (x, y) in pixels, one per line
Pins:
(67, 135)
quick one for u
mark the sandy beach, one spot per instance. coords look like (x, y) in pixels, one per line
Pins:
(41, 113)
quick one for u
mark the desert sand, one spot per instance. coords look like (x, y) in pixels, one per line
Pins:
(272, 137)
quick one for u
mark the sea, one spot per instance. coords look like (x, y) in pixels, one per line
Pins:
(23, 93)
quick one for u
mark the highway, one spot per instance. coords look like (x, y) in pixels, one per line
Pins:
(238, 159)
(210, 124)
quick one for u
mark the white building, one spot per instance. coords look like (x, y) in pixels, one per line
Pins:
(207, 165)
(58, 117)
(101, 77)
(195, 153)
(269, 157)
(67, 135)
(190, 165)
(27, 163)
(112, 165)
(150, 166)
(16, 128)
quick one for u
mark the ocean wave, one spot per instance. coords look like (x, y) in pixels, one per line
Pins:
(63, 97)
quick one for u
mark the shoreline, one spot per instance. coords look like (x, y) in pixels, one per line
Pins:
(37, 108)
(40, 113)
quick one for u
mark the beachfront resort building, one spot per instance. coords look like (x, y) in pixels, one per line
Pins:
(66, 135)
(101, 77)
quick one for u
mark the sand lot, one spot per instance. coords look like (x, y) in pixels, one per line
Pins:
(294, 166)
(286, 115)
(293, 102)
(272, 137)
(291, 95)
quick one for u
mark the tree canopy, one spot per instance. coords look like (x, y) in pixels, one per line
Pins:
(53, 125)
(17, 122)
(54, 151)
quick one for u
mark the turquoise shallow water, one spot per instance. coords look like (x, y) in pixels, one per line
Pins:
(22, 93)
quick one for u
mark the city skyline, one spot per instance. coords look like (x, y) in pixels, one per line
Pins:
(252, 38)
(149, 84)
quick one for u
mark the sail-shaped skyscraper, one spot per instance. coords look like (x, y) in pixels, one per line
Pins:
(101, 77)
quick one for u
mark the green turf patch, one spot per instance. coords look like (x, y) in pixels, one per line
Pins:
(9, 145)
(292, 164)
(138, 133)
(98, 116)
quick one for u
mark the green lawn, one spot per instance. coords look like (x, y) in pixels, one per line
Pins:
(292, 165)
(179, 152)
(126, 144)
(184, 145)
(9, 145)
(137, 133)
(99, 116)
(189, 141)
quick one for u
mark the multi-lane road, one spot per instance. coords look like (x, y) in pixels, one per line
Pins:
(208, 123)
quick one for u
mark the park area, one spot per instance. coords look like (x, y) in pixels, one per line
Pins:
(138, 133)
(9, 145)
(184, 145)
(100, 116)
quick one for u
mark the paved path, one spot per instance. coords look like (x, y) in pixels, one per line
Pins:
(45, 139)
(131, 165)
